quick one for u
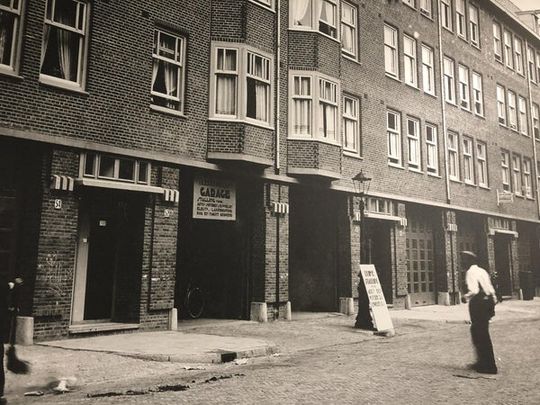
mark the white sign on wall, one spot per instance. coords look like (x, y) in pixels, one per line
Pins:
(214, 199)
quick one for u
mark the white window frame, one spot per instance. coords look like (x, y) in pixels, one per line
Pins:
(140, 168)
(449, 80)
(531, 64)
(497, 42)
(264, 3)
(351, 116)
(306, 99)
(453, 156)
(414, 158)
(82, 31)
(516, 173)
(464, 88)
(481, 164)
(507, 46)
(468, 163)
(352, 26)
(312, 6)
(178, 61)
(512, 110)
(316, 101)
(391, 52)
(330, 103)
(432, 150)
(538, 67)
(410, 3)
(474, 25)
(426, 7)
(478, 94)
(461, 25)
(536, 120)
(522, 116)
(501, 105)
(505, 171)
(241, 74)
(393, 138)
(410, 69)
(446, 14)
(527, 183)
(15, 9)
(518, 55)
(428, 72)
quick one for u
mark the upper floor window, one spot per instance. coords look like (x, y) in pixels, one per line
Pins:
(474, 31)
(508, 57)
(512, 111)
(505, 170)
(518, 53)
(538, 66)
(266, 3)
(449, 81)
(302, 101)
(328, 108)
(478, 94)
(468, 164)
(464, 95)
(409, 63)
(168, 71)
(320, 15)
(108, 167)
(351, 117)
(410, 3)
(530, 64)
(348, 29)
(241, 87)
(481, 164)
(391, 51)
(527, 184)
(393, 129)
(461, 27)
(425, 7)
(432, 145)
(63, 52)
(413, 143)
(428, 76)
(446, 14)
(536, 120)
(453, 156)
(501, 105)
(516, 174)
(10, 24)
(497, 42)
(522, 117)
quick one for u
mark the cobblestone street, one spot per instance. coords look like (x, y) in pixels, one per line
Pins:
(424, 363)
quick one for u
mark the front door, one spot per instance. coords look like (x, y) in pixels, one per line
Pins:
(502, 264)
(378, 252)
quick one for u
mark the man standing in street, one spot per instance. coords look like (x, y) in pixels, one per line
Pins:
(482, 299)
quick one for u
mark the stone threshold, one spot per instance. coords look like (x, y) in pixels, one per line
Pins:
(101, 327)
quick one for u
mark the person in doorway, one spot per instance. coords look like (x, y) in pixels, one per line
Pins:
(482, 299)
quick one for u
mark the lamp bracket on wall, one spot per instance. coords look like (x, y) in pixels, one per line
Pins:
(59, 182)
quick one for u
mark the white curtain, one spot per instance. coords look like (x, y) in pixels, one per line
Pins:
(64, 49)
(46, 34)
(3, 37)
(350, 134)
(347, 38)
(155, 67)
(302, 117)
(171, 82)
(300, 10)
(261, 101)
(226, 94)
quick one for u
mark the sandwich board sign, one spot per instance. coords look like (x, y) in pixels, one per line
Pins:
(377, 303)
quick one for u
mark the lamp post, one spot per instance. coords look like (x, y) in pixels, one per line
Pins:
(361, 184)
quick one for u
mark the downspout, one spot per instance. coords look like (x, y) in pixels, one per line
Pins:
(443, 105)
(278, 87)
(277, 258)
(534, 168)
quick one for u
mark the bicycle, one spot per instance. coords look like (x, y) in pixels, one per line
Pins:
(194, 301)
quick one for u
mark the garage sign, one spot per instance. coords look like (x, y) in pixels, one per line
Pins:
(377, 303)
(214, 199)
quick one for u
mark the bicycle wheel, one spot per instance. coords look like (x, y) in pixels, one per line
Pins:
(195, 302)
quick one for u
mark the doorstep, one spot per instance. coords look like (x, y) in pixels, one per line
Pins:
(101, 327)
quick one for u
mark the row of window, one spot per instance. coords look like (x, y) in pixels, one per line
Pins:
(516, 174)
(461, 18)
(464, 79)
(512, 112)
(473, 158)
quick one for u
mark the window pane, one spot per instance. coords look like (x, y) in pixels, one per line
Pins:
(106, 166)
(62, 50)
(7, 27)
(226, 95)
(90, 164)
(143, 172)
(126, 170)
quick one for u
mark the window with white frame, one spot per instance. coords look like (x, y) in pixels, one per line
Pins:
(328, 109)
(351, 124)
(302, 102)
(107, 167)
(413, 143)
(266, 3)
(348, 29)
(410, 3)
(531, 65)
(505, 171)
(497, 41)
(508, 56)
(391, 65)
(409, 61)
(428, 76)
(461, 27)
(512, 111)
(481, 164)
(393, 129)
(464, 95)
(536, 120)
(516, 172)
(432, 147)
(468, 163)
(446, 14)
(538, 66)
(522, 117)
(241, 88)
(10, 34)
(474, 30)
(449, 83)
(518, 53)
(316, 15)
(63, 52)
(501, 105)
(478, 94)
(453, 156)
(425, 7)
(168, 70)
(380, 206)
(527, 183)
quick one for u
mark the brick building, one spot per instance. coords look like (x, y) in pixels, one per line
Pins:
(145, 148)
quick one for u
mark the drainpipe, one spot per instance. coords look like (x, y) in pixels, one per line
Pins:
(278, 87)
(443, 106)
(278, 298)
(534, 168)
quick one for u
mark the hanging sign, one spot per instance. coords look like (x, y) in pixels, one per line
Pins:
(377, 303)
(214, 199)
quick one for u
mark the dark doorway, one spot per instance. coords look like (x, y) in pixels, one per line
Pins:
(378, 252)
(502, 264)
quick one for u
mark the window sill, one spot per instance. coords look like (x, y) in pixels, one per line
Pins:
(10, 73)
(480, 116)
(353, 155)
(476, 46)
(427, 15)
(396, 166)
(499, 61)
(455, 180)
(448, 29)
(313, 139)
(519, 196)
(467, 110)
(412, 86)
(263, 6)
(463, 38)
(414, 170)
(350, 58)
(470, 184)
(452, 103)
(61, 84)
(310, 29)
(485, 188)
(525, 135)
(430, 94)
(529, 198)
(166, 110)
(243, 121)
(390, 76)
(435, 175)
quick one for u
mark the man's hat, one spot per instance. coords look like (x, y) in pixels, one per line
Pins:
(468, 253)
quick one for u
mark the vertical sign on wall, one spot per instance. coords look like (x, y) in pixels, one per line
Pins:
(214, 199)
(377, 303)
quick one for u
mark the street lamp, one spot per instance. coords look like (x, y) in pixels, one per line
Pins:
(361, 184)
